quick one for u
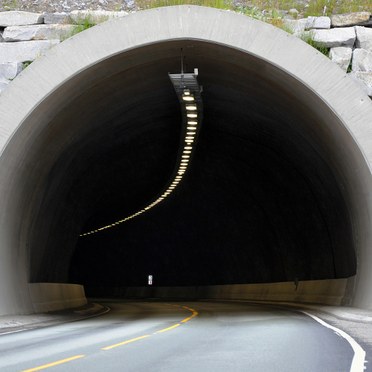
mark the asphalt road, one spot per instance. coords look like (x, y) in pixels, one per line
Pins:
(198, 336)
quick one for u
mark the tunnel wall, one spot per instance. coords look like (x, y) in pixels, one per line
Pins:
(48, 297)
(327, 292)
(24, 117)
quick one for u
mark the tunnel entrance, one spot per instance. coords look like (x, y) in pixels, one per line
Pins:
(278, 190)
(260, 203)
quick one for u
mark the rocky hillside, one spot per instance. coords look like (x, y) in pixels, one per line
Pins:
(345, 38)
(290, 8)
(66, 5)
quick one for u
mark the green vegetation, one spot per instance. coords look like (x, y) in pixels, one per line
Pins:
(328, 7)
(26, 64)
(9, 4)
(82, 25)
(271, 11)
(255, 8)
(314, 7)
(306, 37)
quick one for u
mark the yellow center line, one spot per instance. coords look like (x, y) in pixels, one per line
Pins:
(125, 342)
(194, 314)
(169, 328)
(54, 363)
(58, 362)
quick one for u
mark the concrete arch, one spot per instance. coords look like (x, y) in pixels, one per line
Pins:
(36, 127)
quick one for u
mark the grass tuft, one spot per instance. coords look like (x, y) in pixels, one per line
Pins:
(306, 37)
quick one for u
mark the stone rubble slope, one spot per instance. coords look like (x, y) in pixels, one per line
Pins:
(24, 51)
(350, 19)
(362, 60)
(342, 56)
(24, 36)
(38, 32)
(364, 38)
(348, 37)
(335, 37)
(97, 16)
(16, 18)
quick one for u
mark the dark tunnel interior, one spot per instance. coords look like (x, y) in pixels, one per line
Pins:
(260, 203)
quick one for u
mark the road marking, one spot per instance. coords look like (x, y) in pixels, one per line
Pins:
(194, 314)
(168, 329)
(125, 342)
(44, 366)
(357, 364)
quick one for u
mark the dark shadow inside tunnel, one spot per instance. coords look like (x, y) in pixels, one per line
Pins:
(262, 201)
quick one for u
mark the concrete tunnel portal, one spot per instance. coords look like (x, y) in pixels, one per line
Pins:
(278, 189)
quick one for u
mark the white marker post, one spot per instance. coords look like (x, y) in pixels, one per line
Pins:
(149, 280)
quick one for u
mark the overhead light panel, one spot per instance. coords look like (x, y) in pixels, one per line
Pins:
(189, 94)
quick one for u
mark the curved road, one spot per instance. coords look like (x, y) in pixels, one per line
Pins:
(190, 336)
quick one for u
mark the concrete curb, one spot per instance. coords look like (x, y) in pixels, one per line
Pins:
(343, 313)
(18, 323)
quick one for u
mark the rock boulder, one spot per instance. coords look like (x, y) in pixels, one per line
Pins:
(10, 70)
(15, 18)
(364, 79)
(24, 50)
(297, 27)
(349, 19)
(364, 37)
(318, 22)
(3, 84)
(38, 32)
(362, 60)
(95, 16)
(341, 56)
(57, 18)
(335, 37)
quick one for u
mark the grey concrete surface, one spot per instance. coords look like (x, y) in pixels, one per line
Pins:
(331, 292)
(47, 297)
(18, 323)
(39, 126)
(223, 336)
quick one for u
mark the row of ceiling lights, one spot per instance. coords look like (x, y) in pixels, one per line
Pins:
(191, 110)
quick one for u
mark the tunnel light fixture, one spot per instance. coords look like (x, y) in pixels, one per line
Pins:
(189, 95)
(191, 107)
(192, 115)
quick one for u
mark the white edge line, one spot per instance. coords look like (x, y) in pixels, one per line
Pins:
(357, 365)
